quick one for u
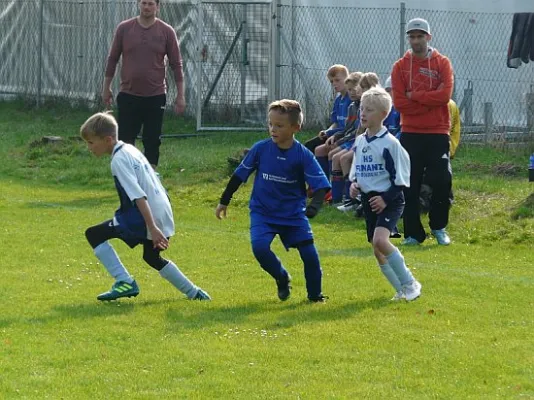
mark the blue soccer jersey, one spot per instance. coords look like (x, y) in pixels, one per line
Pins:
(279, 193)
(392, 122)
(340, 112)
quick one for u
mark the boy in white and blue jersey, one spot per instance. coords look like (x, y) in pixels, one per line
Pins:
(144, 216)
(380, 170)
(277, 205)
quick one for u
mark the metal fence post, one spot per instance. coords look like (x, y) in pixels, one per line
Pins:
(530, 109)
(274, 49)
(244, 62)
(402, 32)
(40, 52)
(198, 58)
(488, 121)
(467, 102)
(293, 41)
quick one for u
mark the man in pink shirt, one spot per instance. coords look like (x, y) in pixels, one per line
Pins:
(145, 44)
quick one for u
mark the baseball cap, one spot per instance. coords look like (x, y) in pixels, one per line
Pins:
(387, 85)
(418, 24)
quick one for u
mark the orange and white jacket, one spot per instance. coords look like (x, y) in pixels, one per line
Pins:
(430, 81)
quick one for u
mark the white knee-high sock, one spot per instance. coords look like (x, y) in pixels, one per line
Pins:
(173, 274)
(396, 261)
(111, 261)
(391, 276)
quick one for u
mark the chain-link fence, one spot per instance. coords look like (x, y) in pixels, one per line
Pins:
(58, 48)
(492, 97)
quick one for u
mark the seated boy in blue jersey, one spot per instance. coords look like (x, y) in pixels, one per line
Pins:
(144, 216)
(278, 202)
(336, 75)
(380, 170)
(392, 121)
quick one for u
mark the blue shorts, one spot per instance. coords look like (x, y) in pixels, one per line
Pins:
(388, 218)
(347, 145)
(290, 235)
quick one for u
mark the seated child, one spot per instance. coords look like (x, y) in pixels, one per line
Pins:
(392, 121)
(144, 216)
(278, 201)
(379, 172)
(337, 75)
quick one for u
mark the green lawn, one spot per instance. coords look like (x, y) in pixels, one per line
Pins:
(468, 336)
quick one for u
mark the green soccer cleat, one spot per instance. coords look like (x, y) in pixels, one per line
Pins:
(118, 290)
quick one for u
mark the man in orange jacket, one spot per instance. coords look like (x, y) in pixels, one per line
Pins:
(422, 83)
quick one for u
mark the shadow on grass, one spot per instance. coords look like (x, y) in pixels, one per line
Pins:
(288, 314)
(85, 311)
(85, 202)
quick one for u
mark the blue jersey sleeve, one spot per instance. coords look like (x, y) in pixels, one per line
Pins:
(249, 163)
(313, 173)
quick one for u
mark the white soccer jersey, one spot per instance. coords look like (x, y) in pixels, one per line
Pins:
(138, 179)
(379, 162)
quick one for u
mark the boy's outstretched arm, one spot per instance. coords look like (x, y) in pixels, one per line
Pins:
(316, 203)
(158, 238)
(231, 188)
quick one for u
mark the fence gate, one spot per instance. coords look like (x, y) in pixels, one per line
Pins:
(233, 65)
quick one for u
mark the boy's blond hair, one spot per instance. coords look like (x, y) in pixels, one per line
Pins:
(337, 69)
(369, 80)
(291, 108)
(101, 124)
(354, 78)
(377, 97)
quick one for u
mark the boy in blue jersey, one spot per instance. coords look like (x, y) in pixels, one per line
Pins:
(392, 121)
(380, 170)
(144, 216)
(336, 75)
(278, 202)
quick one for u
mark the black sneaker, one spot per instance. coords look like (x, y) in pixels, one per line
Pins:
(284, 288)
(319, 299)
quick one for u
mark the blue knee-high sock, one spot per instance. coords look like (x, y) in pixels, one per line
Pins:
(391, 276)
(396, 261)
(337, 186)
(312, 270)
(268, 260)
(323, 162)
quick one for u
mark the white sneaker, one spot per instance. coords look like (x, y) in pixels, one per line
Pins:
(412, 290)
(347, 207)
(398, 296)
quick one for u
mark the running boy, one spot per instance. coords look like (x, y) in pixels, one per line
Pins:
(278, 202)
(380, 171)
(144, 216)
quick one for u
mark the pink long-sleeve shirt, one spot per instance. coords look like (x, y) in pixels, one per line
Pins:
(143, 52)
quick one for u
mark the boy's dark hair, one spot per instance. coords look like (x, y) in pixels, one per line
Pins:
(101, 124)
(291, 108)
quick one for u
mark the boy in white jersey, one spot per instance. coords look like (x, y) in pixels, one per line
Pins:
(380, 170)
(144, 216)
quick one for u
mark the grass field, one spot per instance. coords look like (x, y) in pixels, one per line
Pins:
(468, 337)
